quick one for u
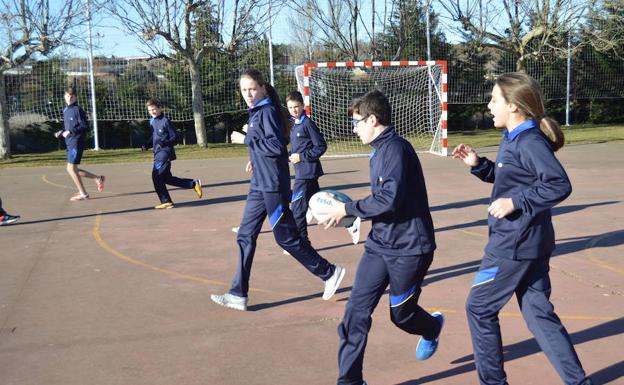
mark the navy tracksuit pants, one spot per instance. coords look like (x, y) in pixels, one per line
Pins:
(303, 189)
(497, 280)
(161, 176)
(375, 271)
(275, 205)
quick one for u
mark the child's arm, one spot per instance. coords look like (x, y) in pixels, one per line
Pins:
(319, 145)
(172, 138)
(270, 143)
(480, 167)
(552, 184)
(391, 192)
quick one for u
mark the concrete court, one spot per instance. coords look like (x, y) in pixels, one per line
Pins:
(113, 292)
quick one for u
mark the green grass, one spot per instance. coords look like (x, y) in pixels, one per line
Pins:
(479, 138)
(573, 135)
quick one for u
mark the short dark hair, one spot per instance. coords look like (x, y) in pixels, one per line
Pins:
(294, 96)
(153, 102)
(72, 91)
(373, 103)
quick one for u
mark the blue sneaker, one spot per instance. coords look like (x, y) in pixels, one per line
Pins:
(426, 348)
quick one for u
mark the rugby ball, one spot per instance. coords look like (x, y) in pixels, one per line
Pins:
(322, 200)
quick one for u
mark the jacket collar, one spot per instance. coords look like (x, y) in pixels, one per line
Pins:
(526, 125)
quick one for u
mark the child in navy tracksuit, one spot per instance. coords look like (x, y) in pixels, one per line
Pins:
(400, 246)
(528, 181)
(163, 140)
(75, 133)
(307, 145)
(269, 194)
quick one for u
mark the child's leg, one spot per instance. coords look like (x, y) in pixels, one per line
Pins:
(250, 227)
(287, 236)
(406, 277)
(2, 212)
(72, 170)
(303, 189)
(495, 282)
(370, 282)
(160, 173)
(533, 297)
(179, 182)
(86, 174)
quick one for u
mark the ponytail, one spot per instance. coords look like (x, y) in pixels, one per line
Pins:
(282, 112)
(553, 132)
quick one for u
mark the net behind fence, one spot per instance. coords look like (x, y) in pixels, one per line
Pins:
(415, 91)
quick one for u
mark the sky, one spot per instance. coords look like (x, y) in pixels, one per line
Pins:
(110, 40)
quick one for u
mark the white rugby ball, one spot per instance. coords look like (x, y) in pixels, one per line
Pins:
(322, 200)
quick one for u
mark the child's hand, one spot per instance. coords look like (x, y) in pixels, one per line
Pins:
(237, 137)
(501, 207)
(248, 168)
(245, 128)
(334, 214)
(294, 158)
(58, 133)
(66, 134)
(467, 154)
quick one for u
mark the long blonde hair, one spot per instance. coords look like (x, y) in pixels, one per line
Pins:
(522, 90)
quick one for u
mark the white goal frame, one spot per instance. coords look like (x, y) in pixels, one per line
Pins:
(437, 91)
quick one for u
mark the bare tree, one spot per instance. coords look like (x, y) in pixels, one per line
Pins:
(337, 23)
(605, 27)
(526, 28)
(186, 30)
(29, 28)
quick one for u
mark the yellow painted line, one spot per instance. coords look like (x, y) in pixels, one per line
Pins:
(104, 245)
(472, 233)
(593, 242)
(45, 179)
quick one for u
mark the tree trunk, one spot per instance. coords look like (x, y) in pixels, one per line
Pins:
(198, 104)
(5, 138)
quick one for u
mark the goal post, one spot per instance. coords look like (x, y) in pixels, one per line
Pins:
(417, 91)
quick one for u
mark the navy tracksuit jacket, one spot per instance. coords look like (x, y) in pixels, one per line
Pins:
(269, 195)
(398, 251)
(75, 121)
(307, 141)
(163, 139)
(517, 254)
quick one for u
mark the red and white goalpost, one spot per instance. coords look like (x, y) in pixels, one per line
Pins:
(417, 91)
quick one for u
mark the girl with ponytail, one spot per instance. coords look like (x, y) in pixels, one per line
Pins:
(269, 194)
(528, 181)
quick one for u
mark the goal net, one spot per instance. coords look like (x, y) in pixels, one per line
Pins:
(417, 91)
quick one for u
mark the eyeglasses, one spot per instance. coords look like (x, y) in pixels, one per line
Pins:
(356, 121)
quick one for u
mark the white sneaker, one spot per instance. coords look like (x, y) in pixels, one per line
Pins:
(235, 229)
(285, 252)
(354, 230)
(230, 300)
(309, 216)
(332, 284)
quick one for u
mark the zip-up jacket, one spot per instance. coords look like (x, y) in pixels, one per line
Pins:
(267, 149)
(307, 141)
(163, 139)
(527, 171)
(75, 121)
(398, 205)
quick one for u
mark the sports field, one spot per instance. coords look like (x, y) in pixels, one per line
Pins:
(110, 291)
